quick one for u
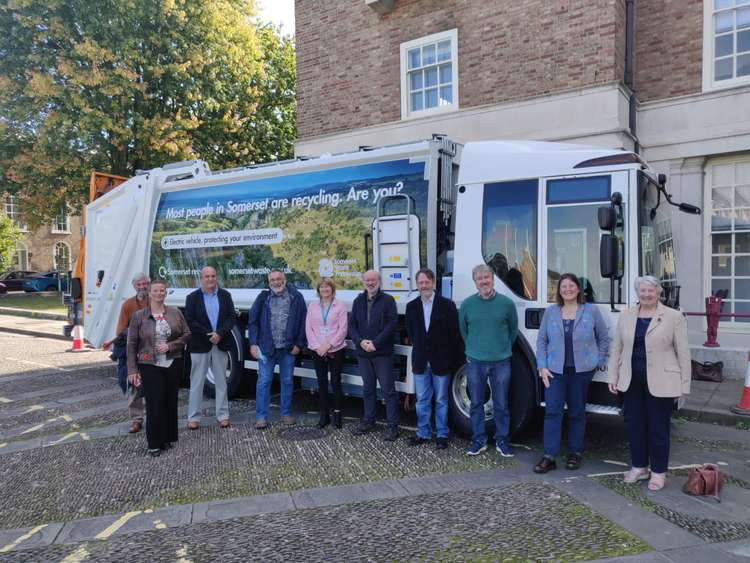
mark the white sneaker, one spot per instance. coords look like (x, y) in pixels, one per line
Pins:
(636, 474)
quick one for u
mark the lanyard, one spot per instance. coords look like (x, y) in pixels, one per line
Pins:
(324, 312)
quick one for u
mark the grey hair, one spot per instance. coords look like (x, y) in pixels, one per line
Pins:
(481, 269)
(651, 280)
(140, 276)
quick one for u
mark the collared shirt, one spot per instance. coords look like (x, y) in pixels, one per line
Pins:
(427, 311)
(279, 311)
(211, 302)
(370, 301)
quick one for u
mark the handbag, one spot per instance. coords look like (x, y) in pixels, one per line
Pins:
(707, 371)
(706, 480)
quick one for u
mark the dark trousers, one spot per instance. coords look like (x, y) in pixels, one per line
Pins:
(378, 369)
(647, 423)
(160, 390)
(323, 365)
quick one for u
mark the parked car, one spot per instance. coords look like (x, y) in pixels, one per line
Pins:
(13, 279)
(47, 281)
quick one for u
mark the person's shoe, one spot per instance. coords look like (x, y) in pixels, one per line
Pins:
(657, 482)
(287, 420)
(418, 441)
(545, 464)
(154, 453)
(363, 428)
(167, 446)
(476, 449)
(324, 421)
(193, 425)
(261, 424)
(504, 449)
(224, 423)
(391, 435)
(337, 419)
(574, 461)
(441, 443)
(135, 428)
(636, 474)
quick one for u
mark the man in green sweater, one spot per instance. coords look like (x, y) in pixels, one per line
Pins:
(489, 326)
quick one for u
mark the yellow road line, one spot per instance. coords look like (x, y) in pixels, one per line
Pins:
(116, 525)
(5, 400)
(66, 437)
(77, 556)
(3, 444)
(33, 408)
(22, 538)
(33, 428)
(159, 525)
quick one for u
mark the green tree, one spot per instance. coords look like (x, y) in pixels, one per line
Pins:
(10, 234)
(121, 85)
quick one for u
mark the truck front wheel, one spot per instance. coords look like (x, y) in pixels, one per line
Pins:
(235, 370)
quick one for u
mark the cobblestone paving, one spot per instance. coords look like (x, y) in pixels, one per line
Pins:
(708, 529)
(519, 523)
(113, 475)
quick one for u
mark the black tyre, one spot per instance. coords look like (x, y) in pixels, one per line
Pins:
(522, 399)
(235, 372)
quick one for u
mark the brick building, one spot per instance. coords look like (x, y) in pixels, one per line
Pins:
(667, 78)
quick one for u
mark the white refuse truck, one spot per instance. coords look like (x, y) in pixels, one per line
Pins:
(529, 210)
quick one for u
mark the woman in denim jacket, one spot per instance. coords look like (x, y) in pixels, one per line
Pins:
(573, 341)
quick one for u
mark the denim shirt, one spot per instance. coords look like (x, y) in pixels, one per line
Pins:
(590, 339)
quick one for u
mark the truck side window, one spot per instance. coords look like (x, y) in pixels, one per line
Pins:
(509, 234)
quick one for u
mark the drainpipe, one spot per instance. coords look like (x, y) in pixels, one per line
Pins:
(629, 73)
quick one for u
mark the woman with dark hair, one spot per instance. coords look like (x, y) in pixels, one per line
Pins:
(156, 336)
(572, 343)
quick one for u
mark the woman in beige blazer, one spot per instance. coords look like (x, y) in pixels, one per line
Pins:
(650, 364)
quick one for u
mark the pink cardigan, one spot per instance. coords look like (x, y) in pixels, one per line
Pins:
(337, 325)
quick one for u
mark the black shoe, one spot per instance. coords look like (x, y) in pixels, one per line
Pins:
(391, 435)
(324, 421)
(545, 464)
(167, 446)
(574, 462)
(154, 453)
(363, 428)
(441, 443)
(337, 419)
(418, 441)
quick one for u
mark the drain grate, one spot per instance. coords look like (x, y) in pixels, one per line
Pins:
(302, 433)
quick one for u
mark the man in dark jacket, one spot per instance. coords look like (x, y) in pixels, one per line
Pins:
(372, 325)
(276, 334)
(432, 325)
(210, 314)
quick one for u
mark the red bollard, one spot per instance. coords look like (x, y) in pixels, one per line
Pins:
(713, 312)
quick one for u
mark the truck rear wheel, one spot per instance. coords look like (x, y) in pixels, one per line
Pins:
(235, 370)
(522, 399)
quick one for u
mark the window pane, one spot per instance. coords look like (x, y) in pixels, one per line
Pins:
(446, 95)
(722, 175)
(431, 98)
(415, 80)
(721, 266)
(721, 220)
(446, 74)
(743, 41)
(430, 77)
(721, 244)
(742, 266)
(743, 18)
(741, 242)
(742, 219)
(742, 289)
(576, 190)
(416, 101)
(724, 45)
(720, 284)
(721, 198)
(428, 55)
(743, 65)
(742, 171)
(509, 227)
(743, 308)
(723, 22)
(444, 51)
(742, 196)
(414, 59)
(720, 4)
(724, 69)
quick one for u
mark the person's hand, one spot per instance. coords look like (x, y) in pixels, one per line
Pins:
(371, 346)
(254, 351)
(107, 344)
(322, 350)
(546, 375)
(134, 379)
(364, 344)
(214, 337)
(162, 348)
(295, 350)
(612, 388)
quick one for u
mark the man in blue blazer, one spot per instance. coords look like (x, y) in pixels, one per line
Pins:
(210, 314)
(432, 325)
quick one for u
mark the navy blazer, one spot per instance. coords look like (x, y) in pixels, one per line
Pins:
(259, 322)
(200, 325)
(441, 345)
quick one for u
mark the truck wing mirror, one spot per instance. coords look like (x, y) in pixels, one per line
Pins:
(76, 291)
(607, 218)
(609, 259)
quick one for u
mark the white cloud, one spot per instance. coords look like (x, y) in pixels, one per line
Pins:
(278, 12)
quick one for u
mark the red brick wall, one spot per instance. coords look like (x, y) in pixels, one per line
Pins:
(668, 48)
(348, 59)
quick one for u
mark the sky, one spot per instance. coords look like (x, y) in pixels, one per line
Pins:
(279, 12)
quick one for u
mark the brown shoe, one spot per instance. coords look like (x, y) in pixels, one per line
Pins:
(224, 423)
(135, 428)
(193, 425)
(261, 424)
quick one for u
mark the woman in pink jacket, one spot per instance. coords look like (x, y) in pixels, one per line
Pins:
(326, 327)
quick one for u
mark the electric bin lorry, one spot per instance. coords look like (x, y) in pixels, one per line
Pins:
(529, 210)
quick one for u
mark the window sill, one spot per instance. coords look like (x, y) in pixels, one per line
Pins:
(430, 112)
(55, 232)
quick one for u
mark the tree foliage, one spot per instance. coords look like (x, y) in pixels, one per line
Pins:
(121, 85)
(10, 234)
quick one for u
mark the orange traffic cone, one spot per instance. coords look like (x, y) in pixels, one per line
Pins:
(77, 339)
(743, 407)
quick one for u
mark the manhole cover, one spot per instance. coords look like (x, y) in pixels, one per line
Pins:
(302, 433)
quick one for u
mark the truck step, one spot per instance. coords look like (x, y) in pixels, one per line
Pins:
(597, 409)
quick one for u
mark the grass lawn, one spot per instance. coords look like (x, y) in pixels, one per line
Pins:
(51, 303)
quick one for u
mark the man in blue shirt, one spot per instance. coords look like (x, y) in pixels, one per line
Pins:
(210, 314)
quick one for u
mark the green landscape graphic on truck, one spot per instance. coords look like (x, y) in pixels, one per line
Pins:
(309, 225)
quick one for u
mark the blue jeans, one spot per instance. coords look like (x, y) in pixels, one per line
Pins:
(498, 374)
(265, 376)
(572, 388)
(428, 384)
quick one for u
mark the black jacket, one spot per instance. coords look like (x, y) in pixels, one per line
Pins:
(200, 326)
(442, 345)
(380, 329)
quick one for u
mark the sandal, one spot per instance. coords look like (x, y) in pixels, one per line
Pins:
(657, 481)
(636, 474)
